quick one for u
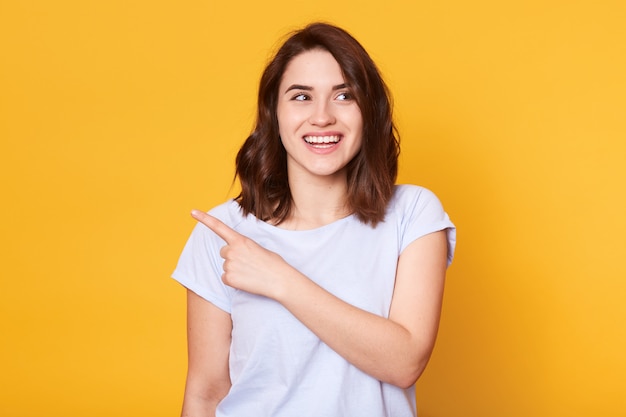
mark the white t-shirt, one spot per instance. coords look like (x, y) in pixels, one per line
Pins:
(278, 367)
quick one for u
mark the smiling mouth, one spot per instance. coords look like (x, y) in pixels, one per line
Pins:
(322, 141)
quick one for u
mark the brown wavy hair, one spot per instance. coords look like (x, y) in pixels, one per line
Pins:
(261, 163)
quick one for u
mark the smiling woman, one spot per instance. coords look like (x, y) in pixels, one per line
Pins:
(320, 124)
(262, 160)
(317, 291)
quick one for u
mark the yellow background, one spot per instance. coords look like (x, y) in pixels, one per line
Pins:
(117, 117)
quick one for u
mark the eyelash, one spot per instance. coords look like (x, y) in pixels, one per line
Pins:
(347, 95)
(306, 97)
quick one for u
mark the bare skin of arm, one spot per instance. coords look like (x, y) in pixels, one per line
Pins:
(208, 341)
(394, 349)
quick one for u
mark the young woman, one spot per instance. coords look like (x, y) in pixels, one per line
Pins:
(317, 291)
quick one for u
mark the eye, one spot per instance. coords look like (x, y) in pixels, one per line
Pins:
(301, 97)
(344, 96)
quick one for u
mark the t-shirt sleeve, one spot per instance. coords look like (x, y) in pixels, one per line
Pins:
(200, 270)
(423, 214)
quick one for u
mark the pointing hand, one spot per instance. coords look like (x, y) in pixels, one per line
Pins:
(247, 265)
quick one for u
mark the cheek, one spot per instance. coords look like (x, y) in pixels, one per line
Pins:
(285, 119)
(283, 130)
(358, 126)
(357, 119)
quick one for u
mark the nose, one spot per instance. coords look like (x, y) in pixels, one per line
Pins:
(322, 114)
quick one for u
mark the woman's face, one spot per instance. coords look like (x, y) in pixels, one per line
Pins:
(319, 121)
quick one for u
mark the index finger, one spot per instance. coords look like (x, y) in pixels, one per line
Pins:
(216, 225)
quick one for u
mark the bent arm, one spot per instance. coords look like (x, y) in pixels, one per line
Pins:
(208, 343)
(394, 350)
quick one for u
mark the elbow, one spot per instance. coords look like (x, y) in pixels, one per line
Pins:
(412, 368)
(407, 379)
(409, 374)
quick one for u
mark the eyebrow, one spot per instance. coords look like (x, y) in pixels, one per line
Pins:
(309, 88)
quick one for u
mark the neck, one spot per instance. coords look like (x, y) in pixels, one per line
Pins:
(317, 202)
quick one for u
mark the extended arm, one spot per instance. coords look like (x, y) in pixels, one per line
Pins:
(394, 350)
(208, 341)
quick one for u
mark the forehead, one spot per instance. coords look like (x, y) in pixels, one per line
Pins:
(316, 66)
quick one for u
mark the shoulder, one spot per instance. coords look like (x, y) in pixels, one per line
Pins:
(229, 213)
(403, 190)
(411, 197)
(417, 212)
(415, 207)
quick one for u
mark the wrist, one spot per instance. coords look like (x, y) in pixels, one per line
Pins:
(287, 281)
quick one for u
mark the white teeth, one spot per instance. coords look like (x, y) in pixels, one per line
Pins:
(321, 139)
